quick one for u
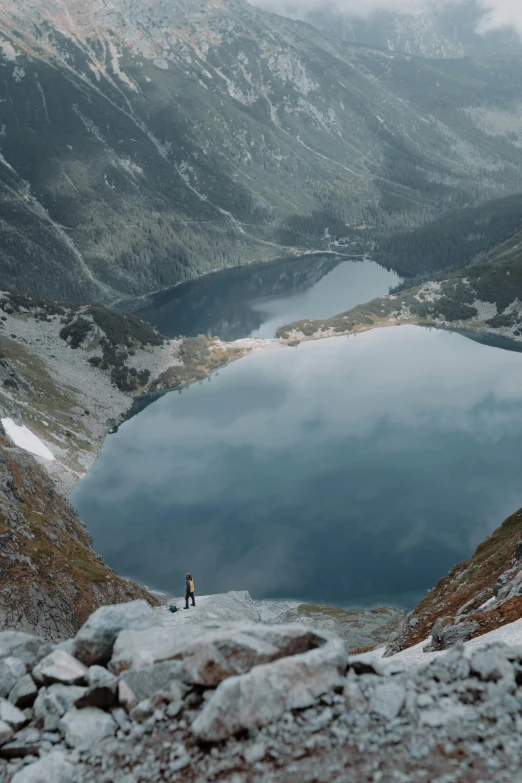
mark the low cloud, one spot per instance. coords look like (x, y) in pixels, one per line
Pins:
(496, 14)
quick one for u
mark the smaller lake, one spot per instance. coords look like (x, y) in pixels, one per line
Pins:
(253, 300)
(353, 471)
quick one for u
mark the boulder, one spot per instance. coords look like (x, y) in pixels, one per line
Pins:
(210, 653)
(54, 768)
(147, 681)
(11, 670)
(490, 664)
(6, 732)
(11, 715)
(126, 696)
(102, 689)
(85, 728)
(29, 649)
(24, 743)
(269, 690)
(24, 692)
(60, 666)
(387, 699)
(445, 636)
(94, 641)
(55, 701)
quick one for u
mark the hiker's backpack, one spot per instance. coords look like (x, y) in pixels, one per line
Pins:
(173, 608)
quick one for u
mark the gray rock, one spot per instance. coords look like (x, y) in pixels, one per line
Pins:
(24, 743)
(29, 649)
(24, 692)
(55, 701)
(269, 690)
(387, 699)
(60, 666)
(254, 753)
(102, 690)
(85, 728)
(370, 666)
(147, 681)
(126, 696)
(6, 732)
(212, 653)
(444, 637)
(54, 768)
(11, 670)
(94, 641)
(11, 715)
(491, 664)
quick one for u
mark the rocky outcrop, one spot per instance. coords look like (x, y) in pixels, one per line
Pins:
(477, 596)
(359, 628)
(304, 713)
(51, 579)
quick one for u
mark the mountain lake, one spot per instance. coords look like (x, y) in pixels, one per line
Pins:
(351, 470)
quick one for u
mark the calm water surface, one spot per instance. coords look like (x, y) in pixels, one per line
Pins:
(253, 300)
(351, 470)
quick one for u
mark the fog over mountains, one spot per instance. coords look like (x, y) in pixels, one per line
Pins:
(455, 28)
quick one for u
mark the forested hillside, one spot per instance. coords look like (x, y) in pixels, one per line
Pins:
(454, 240)
(145, 145)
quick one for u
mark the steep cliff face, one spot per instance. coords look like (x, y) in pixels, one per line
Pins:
(51, 580)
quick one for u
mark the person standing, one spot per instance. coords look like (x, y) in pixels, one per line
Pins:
(189, 591)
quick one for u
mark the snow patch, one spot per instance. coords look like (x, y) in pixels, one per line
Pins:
(27, 440)
(413, 656)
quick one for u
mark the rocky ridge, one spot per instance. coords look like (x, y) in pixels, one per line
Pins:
(128, 700)
(357, 627)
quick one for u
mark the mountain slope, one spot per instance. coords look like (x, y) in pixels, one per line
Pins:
(50, 577)
(141, 146)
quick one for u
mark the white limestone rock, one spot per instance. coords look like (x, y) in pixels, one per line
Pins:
(212, 653)
(11, 670)
(24, 692)
(6, 732)
(94, 641)
(269, 690)
(54, 768)
(85, 728)
(53, 702)
(11, 715)
(60, 666)
(29, 649)
(387, 699)
(144, 682)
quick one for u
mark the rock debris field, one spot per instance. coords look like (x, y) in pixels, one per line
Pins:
(131, 699)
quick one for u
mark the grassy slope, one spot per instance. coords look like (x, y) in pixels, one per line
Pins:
(51, 579)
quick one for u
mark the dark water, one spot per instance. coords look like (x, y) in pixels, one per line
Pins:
(253, 300)
(351, 470)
